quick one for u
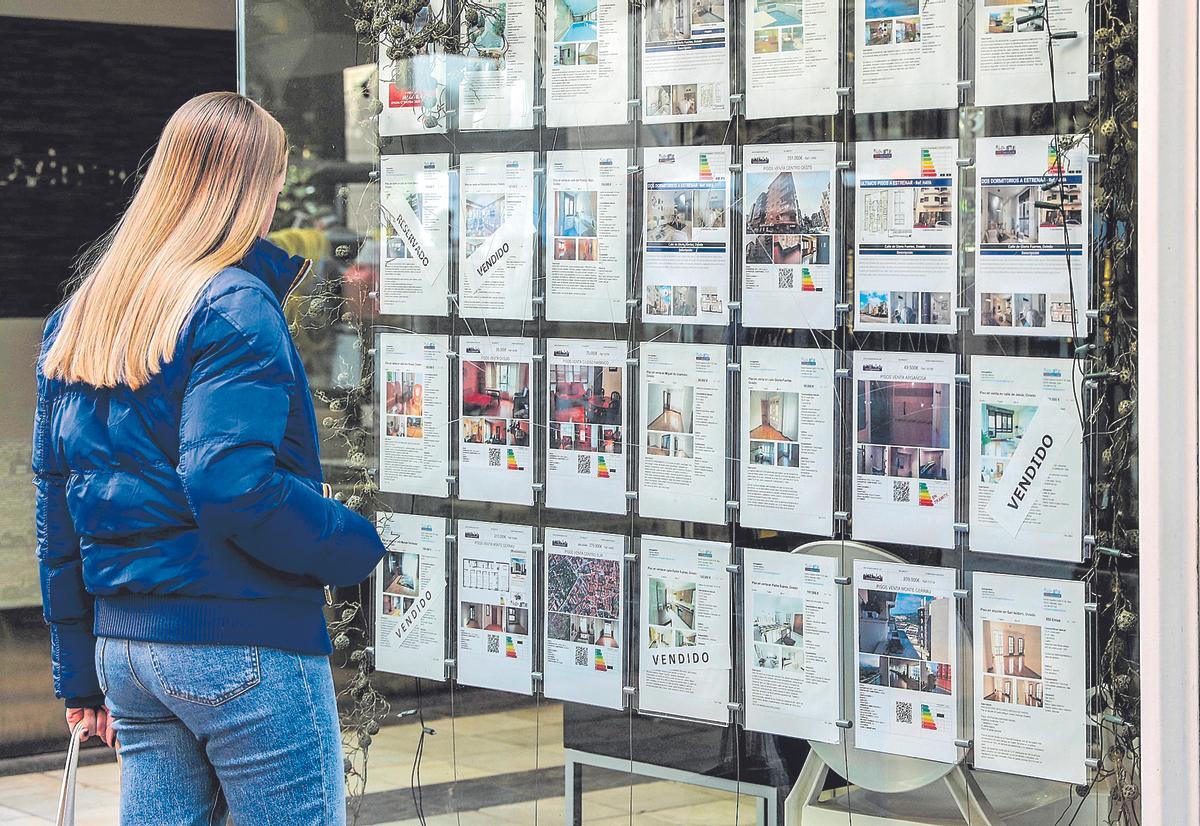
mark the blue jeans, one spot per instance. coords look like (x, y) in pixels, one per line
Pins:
(210, 731)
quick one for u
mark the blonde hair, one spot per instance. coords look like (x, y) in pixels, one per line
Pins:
(206, 195)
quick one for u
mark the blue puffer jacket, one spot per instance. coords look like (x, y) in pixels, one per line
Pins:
(190, 510)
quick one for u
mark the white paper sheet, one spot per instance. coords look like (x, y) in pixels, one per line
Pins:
(587, 63)
(496, 612)
(410, 596)
(906, 56)
(495, 457)
(791, 637)
(586, 467)
(415, 103)
(906, 236)
(791, 50)
(584, 643)
(787, 439)
(685, 263)
(587, 231)
(1012, 63)
(1026, 457)
(682, 411)
(906, 629)
(496, 235)
(414, 404)
(1022, 286)
(685, 61)
(904, 448)
(1030, 676)
(414, 196)
(359, 84)
(789, 235)
(496, 90)
(684, 660)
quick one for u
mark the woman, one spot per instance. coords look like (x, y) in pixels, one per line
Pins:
(183, 533)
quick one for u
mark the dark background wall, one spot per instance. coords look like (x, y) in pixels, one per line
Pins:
(81, 103)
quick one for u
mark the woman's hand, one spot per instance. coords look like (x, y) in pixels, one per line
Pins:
(95, 722)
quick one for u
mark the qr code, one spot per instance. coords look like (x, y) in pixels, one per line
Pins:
(493, 644)
(583, 464)
(901, 490)
(786, 278)
(903, 712)
(493, 457)
(581, 655)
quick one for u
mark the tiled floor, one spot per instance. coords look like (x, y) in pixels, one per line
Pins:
(497, 748)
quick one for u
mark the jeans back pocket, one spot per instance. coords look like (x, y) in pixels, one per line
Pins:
(205, 674)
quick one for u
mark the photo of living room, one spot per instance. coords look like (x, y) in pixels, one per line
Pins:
(1014, 649)
(585, 394)
(904, 413)
(669, 215)
(1002, 427)
(495, 388)
(904, 625)
(1013, 217)
(404, 393)
(401, 574)
(575, 213)
(671, 604)
(518, 432)
(483, 214)
(996, 310)
(495, 431)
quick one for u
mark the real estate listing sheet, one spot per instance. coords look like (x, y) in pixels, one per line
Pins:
(414, 243)
(496, 90)
(496, 235)
(414, 97)
(685, 60)
(906, 631)
(906, 56)
(1012, 45)
(495, 454)
(586, 425)
(583, 643)
(904, 448)
(906, 236)
(414, 403)
(410, 596)
(495, 606)
(789, 237)
(791, 637)
(685, 261)
(587, 71)
(587, 227)
(682, 412)
(1026, 457)
(1030, 676)
(684, 662)
(1031, 228)
(787, 439)
(791, 58)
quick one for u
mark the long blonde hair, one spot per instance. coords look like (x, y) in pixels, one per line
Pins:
(206, 195)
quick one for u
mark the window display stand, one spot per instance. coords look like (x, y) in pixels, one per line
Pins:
(905, 791)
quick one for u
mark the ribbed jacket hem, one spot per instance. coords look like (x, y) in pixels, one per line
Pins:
(289, 624)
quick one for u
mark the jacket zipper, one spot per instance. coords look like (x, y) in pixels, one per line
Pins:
(300, 275)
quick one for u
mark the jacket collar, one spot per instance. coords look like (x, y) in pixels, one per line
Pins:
(275, 267)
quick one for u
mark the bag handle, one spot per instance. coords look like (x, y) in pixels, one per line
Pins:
(66, 794)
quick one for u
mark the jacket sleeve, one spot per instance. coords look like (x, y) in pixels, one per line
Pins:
(234, 415)
(66, 604)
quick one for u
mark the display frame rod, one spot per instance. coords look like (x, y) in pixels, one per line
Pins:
(1169, 377)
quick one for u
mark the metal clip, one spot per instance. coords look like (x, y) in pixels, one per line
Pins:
(841, 580)
(629, 690)
(961, 593)
(962, 744)
(962, 311)
(845, 164)
(962, 163)
(734, 305)
(537, 547)
(733, 367)
(844, 724)
(1090, 607)
(734, 706)
(962, 378)
(631, 557)
(735, 167)
(373, 175)
(842, 372)
(841, 516)
(371, 351)
(732, 504)
(964, 85)
(733, 569)
(631, 495)
(632, 169)
(961, 527)
(538, 487)
(843, 91)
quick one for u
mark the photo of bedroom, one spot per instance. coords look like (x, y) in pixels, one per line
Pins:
(669, 215)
